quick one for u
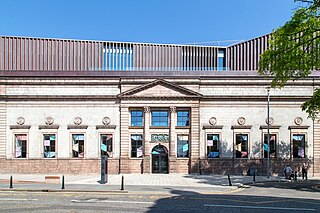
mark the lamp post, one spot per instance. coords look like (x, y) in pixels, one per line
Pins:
(268, 138)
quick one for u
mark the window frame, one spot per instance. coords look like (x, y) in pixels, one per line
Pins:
(108, 152)
(265, 141)
(131, 117)
(188, 118)
(304, 148)
(15, 134)
(55, 144)
(188, 152)
(72, 144)
(136, 146)
(159, 117)
(218, 145)
(236, 155)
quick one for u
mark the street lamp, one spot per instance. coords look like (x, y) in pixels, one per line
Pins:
(268, 137)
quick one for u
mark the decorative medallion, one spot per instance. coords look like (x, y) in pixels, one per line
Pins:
(77, 121)
(106, 121)
(270, 120)
(20, 120)
(298, 121)
(49, 120)
(241, 121)
(213, 121)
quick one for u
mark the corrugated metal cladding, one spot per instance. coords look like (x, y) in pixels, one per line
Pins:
(49, 54)
(246, 55)
(19, 53)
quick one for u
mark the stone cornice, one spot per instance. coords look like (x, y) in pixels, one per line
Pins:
(20, 126)
(106, 126)
(49, 126)
(298, 127)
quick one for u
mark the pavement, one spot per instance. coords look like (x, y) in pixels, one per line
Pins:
(133, 183)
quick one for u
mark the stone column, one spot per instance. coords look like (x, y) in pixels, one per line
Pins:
(194, 143)
(124, 160)
(172, 144)
(146, 138)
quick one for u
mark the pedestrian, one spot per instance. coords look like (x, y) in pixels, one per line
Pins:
(304, 171)
(288, 171)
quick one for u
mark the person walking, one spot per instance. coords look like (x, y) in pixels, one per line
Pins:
(305, 171)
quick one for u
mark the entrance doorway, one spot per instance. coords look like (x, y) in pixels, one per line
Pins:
(160, 159)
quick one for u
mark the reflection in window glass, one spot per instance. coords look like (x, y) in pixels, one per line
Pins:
(136, 118)
(298, 145)
(106, 143)
(241, 145)
(49, 145)
(77, 145)
(136, 146)
(183, 146)
(159, 118)
(213, 145)
(21, 146)
(273, 145)
(183, 118)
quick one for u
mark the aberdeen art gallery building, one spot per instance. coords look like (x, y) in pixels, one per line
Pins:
(151, 108)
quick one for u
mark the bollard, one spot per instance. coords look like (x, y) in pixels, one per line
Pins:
(62, 187)
(229, 180)
(306, 175)
(254, 176)
(11, 185)
(122, 183)
(295, 176)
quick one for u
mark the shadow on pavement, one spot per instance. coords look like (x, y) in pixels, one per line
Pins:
(189, 201)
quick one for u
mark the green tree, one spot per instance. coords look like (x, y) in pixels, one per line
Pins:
(294, 51)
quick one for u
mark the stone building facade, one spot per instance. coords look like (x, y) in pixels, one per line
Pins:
(151, 121)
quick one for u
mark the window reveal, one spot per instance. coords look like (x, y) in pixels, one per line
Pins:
(136, 146)
(106, 143)
(298, 145)
(182, 146)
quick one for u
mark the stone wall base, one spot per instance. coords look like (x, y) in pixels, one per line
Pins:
(127, 165)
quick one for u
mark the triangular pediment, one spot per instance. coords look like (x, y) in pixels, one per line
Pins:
(160, 88)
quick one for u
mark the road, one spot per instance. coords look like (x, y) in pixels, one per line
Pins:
(266, 197)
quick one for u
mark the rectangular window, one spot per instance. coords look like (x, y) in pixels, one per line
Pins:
(136, 118)
(106, 143)
(183, 118)
(213, 145)
(21, 145)
(183, 146)
(242, 145)
(77, 145)
(159, 118)
(136, 146)
(298, 145)
(273, 145)
(49, 145)
(221, 59)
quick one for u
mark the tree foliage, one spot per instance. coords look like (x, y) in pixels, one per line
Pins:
(294, 51)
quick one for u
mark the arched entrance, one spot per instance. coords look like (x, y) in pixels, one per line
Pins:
(160, 159)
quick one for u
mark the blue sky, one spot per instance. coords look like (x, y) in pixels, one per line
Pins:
(159, 21)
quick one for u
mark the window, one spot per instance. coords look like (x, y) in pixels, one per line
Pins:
(136, 146)
(183, 118)
(106, 143)
(241, 145)
(183, 146)
(298, 145)
(49, 145)
(136, 118)
(221, 59)
(159, 118)
(273, 145)
(213, 145)
(21, 145)
(77, 145)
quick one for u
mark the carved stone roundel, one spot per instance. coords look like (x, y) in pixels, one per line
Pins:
(77, 120)
(241, 121)
(270, 119)
(213, 121)
(49, 120)
(298, 121)
(106, 121)
(20, 120)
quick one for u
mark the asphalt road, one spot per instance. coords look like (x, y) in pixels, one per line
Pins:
(264, 197)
